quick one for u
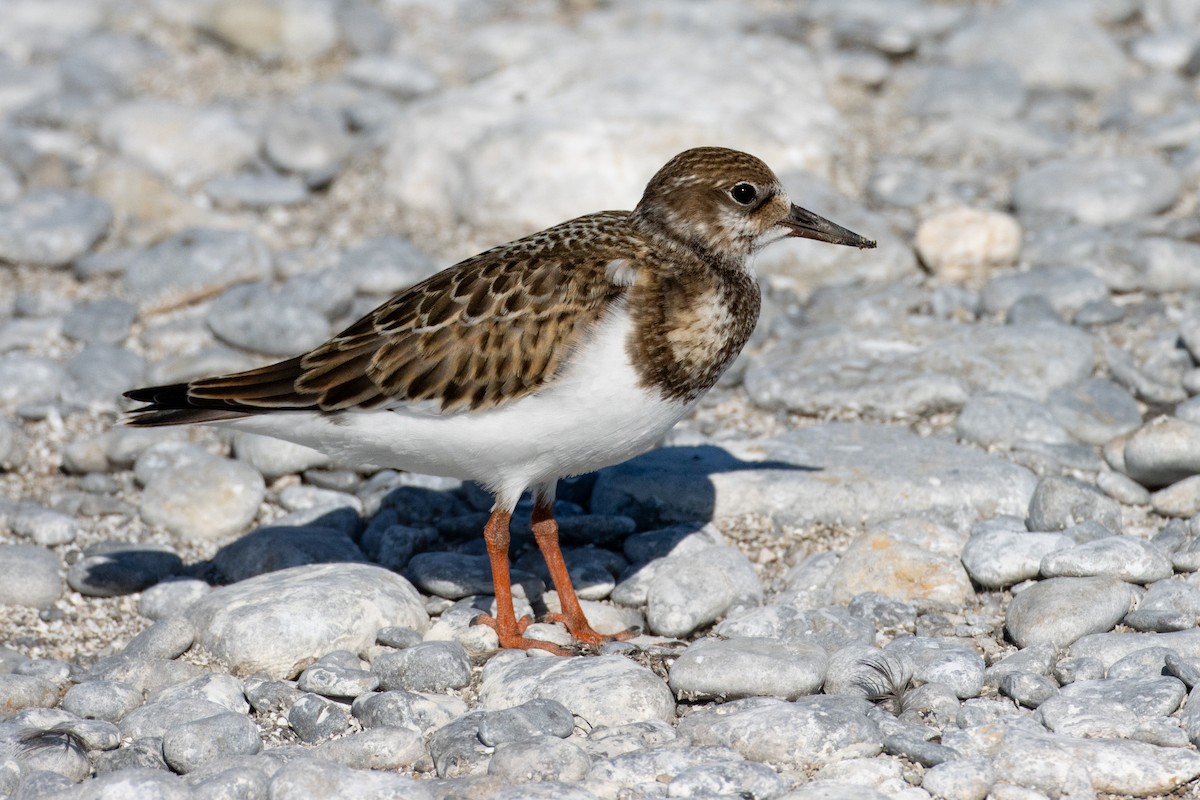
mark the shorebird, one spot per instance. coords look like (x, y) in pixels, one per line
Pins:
(572, 349)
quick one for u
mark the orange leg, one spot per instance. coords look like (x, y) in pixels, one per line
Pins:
(545, 532)
(506, 625)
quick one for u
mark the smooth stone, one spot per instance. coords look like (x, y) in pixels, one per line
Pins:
(52, 227)
(456, 575)
(1126, 558)
(1113, 708)
(641, 768)
(1067, 289)
(43, 526)
(1097, 191)
(1180, 499)
(256, 190)
(155, 719)
(294, 32)
(1060, 502)
(330, 679)
(1163, 452)
(806, 733)
(104, 700)
(687, 593)
(542, 758)
(536, 718)
(19, 692)
(190, 745)
(224, 690)
(423, 713)
(311, 143)
(816, 474)
(884, 562)
(999, 418)
(745, 667)
(194, 264)
(966, 243)
(831, 628)
(582, 685)
(257, 318)
(305, 778)
(380, 748)
(1108, 648)
(276, 622)
(171, 597)
(184, 144)
(1027, 689)
(1060, 611)
(274, 458)
(208, 500)
(1166, 605)
(868, 672)
(29, 379)
(1123, 489)
(105, 321)
(996, 558)
(314, 718)
(385, 265)
(112, 569)
(424, 667)
(29, 576)
(942, 660)
(165, 639)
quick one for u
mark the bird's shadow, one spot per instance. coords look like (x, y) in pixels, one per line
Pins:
(413, 520)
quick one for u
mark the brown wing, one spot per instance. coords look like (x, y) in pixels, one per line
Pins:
(491, 329)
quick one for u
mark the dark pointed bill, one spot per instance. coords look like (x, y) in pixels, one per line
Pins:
(805, 224)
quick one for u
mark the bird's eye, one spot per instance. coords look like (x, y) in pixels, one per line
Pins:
(744, 193)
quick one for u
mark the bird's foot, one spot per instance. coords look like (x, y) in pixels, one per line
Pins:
(582, 631)
(511, 635)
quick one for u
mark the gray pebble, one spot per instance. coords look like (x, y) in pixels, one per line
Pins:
(400, 638)
(1097, 191)
(1060, 502)
(1126, 558)
(1111, 708)
(307, 778)
(234, 783)
(224, 690)
(1122, 488)
(276, 622)
(998, 418)
(1162, 452)
(255, 190)
(155, 719)
(29, 576)
(1028, 689)
(942, 661)
(146, 675)
(12, 446)
(1168, 605)
(165, 639)
(311, 144)
(426, 667)
(422, 713)
(255, 317)
(314, 718)
(112, 569)
(381, 748)
(385, 265)
(26, 379)
(932, 705)
(42, 525)
(104, 321)
(455, 575)
(195, 263)
(996, 558)
(830, 628)
(190, 745)
(1180, 499)
(1186, 669)
(100, 373)
(206, 500)
(541, 758)
(456, 749)
(1038, 659)
(806, 733)
(161, 456)
(25, 691)
(963, 779)
(868, 672)
(688, 592)
(733, 668)
(41, 782)
(1148, 663)
(269, 696)
(538, 717)
(1061, 610)
(103, 700)
(1067, 289)
(733, 779)
(642, 768)
(171, 597)
(52, 227)
(273, 457)
(139, 756)
(335, 680)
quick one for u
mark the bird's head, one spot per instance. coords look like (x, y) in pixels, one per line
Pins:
(727, 205)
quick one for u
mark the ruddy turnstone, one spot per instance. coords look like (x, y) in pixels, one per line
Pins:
(554, 355)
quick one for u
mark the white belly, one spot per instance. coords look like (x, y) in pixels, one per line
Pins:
(594, 416)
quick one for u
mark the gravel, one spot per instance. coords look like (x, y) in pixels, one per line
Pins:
(933, 535)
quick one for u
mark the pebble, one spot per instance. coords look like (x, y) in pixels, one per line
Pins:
(29, 380)
(686, 593)
(1099, 191)
(274, 458)
(104, 700)
(1126, 558)
(209, 499)
(945, 661)
(256, 318)
(272, 31)
(996, 558)
(256, 190)
(1060, 502)
(806, 733)
(748, 667)
(314, 718)
(377, 748)
(29, 576)
(105, 321)
(1114, 708)
(384, 265)
(1008, 419)
(1066, 289)
(421, 713)
(1060, 611)
(276, 622)
(535, 719)
(583, 685)
(541, 758)
(967, 243)
(25, 691)
(171, 597)
(335, 677)
(281, 547)
(112, 569)
(310, 144)
(195, 743)
(52, 227)
(425, 667)
(193, 264)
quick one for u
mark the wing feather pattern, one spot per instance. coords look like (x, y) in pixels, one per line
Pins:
(484, 332)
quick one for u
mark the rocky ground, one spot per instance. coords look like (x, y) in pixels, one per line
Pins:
(934, 536)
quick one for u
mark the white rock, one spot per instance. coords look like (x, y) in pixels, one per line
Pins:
(967, 243)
